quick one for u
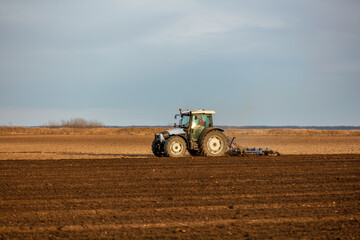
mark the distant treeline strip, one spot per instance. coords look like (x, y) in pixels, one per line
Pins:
(74, 123)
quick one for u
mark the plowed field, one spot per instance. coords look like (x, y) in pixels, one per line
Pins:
(291, 196)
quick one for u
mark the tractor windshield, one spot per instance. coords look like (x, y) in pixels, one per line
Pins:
(184, 121)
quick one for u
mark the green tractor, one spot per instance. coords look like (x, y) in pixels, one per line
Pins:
(194, 133)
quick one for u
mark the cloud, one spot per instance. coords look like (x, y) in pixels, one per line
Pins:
(203, 21)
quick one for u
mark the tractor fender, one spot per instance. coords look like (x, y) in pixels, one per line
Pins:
(206, 130)
(175, 132)
(183, 137)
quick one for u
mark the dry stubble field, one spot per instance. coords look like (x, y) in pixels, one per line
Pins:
(40, 143)
(105, 184)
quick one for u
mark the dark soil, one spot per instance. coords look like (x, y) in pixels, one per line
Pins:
(299, 196)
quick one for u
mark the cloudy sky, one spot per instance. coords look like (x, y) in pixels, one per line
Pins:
(268, 62)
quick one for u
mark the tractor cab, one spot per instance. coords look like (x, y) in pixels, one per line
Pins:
(195, 122)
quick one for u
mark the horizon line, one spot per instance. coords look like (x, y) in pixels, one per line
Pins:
(324, 127)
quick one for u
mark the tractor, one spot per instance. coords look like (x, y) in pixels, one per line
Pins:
(197, 134)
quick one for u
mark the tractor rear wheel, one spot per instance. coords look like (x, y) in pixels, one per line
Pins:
(213, 144)
(175, 146)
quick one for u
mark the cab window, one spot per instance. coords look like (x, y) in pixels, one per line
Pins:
(200, 121)
(198, 124)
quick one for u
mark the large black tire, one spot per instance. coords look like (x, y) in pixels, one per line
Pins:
(156, 149)
(194, 152)
(175, 146)
(213, 144)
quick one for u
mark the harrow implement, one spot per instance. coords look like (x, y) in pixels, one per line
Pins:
(235, 150)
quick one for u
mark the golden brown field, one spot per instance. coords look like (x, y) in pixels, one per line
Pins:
(65, 143)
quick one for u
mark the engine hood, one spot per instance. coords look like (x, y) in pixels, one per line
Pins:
(176, 131)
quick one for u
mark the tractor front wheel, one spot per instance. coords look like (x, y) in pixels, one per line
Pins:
(214, 144)
(156, 149)
(175, 146)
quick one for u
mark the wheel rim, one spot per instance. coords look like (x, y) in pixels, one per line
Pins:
(215, 145)
(176, 148)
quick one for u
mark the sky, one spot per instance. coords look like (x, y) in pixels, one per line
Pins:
(255, 62)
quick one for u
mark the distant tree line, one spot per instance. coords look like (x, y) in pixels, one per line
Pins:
(74, 123)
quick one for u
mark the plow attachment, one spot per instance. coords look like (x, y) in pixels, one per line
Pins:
(235, 150)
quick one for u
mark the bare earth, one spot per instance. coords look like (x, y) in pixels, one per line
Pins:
(110, 186)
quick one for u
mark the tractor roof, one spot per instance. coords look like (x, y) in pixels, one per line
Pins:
(199, 111)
